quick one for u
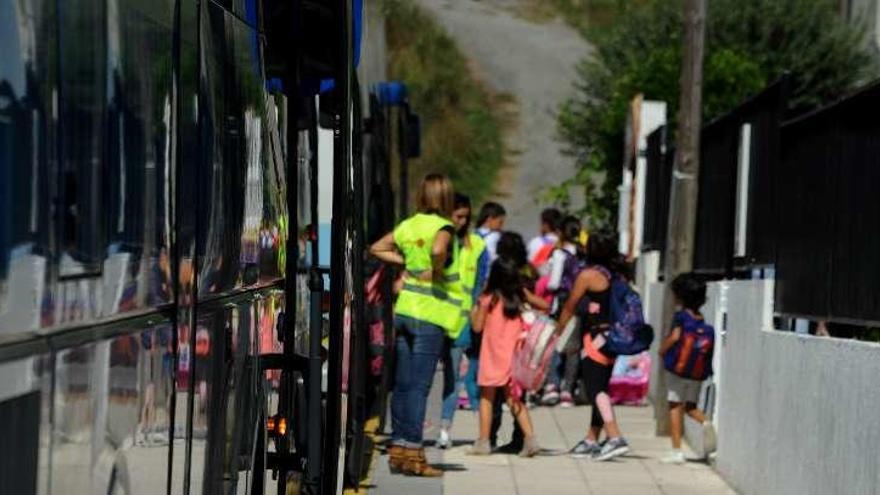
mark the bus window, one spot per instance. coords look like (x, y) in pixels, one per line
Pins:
(27, 34)
(82, 90)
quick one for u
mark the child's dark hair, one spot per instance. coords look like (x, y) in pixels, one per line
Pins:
(570, 229)
(690, 291)
(505, 285)
(512, 247)
(490, 210)
(552, 217)
(602, 250)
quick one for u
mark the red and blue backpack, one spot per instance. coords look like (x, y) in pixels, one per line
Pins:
(691, 356)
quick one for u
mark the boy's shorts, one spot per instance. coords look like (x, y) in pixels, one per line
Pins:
(682, 389)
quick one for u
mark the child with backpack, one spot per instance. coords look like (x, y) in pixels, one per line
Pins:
(566, 264)
(613, 324)
(541, 247)
(498, 317)
(512, 248)
(687, 356)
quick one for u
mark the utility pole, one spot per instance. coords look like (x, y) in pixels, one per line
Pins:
(683, 196)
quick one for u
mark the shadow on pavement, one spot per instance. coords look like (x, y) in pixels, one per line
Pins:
(449, 467)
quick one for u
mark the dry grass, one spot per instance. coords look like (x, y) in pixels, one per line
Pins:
(462, 121)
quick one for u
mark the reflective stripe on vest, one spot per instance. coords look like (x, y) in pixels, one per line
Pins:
(426, 300)
(452, 277)
(464, 289)
(435, 292)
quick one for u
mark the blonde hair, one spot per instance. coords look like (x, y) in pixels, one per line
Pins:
(435, 195)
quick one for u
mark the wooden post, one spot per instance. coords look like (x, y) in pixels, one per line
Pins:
(683, 199)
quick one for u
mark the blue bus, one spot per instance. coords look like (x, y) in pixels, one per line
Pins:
(183, 188)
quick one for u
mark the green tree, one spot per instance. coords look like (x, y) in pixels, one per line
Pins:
(749, 43)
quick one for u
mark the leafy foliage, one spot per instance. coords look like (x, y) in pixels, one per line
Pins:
(749, 43)
(461, 134)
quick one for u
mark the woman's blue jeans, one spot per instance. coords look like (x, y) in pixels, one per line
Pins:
(417, 349)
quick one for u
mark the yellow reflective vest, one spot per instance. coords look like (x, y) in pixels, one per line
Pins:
(428, 301)
(464, 288)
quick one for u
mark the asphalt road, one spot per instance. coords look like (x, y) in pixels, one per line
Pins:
(535, 63)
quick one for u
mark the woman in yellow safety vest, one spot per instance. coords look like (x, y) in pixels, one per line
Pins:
(425, 311)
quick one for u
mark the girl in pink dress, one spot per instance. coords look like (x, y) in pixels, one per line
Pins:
(497, 317)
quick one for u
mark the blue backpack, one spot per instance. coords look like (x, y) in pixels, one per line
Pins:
(691, 356)
(629, 334)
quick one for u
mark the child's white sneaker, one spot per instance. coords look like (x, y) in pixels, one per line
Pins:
(674, 457)
(444, 440)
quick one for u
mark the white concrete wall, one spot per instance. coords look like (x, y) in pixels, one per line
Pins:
(800, 414)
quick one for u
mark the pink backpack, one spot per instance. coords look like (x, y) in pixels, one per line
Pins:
(532, 357)
(541, 289)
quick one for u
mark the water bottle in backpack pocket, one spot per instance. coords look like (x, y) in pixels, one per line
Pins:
(691, 356)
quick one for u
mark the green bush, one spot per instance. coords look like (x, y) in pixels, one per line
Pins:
(461, 134)
(749, 43)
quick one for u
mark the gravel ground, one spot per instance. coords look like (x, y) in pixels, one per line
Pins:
(535, 63)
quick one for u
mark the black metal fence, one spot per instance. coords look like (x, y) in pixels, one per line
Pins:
(658, 183)
(713, 240)
(828, 262)
(811, 213)
(720, 156)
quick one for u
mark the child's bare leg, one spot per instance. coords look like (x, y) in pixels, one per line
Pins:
(676, 423)
(522, 415)
(603, 402)
(693, 411)
(593, 433)
(487, 397)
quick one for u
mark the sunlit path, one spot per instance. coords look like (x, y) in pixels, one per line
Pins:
(553, 472)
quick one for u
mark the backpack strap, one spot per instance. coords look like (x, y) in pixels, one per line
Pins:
(543, 254)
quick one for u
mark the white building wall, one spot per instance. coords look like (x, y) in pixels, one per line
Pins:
(799, 414)
(653, 115)
(649, 116)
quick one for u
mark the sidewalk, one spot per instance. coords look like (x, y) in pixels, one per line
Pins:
(557, 429)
